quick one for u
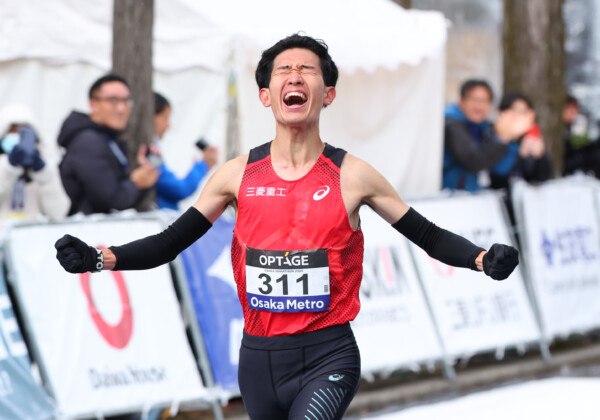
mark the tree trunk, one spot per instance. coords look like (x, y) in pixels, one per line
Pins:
(132, 59)
(534, 64)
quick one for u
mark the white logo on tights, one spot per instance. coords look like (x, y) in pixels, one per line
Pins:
(321, 193)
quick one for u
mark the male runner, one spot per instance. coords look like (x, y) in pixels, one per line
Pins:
(297, 248)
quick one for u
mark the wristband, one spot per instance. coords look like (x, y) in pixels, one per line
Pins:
(99, 260)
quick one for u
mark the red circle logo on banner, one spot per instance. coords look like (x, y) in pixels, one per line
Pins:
(116, 335)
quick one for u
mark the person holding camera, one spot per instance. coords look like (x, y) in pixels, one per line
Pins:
(29, 186)
(169, 188)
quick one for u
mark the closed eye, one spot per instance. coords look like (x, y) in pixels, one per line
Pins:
(303, 68)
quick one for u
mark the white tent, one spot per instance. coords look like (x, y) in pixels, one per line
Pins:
(389, 101)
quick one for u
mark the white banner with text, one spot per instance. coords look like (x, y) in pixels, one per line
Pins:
(561, 230)
(108, 342)
(394, 328)
(473, 312)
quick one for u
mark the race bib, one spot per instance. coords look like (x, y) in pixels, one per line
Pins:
(287, 281)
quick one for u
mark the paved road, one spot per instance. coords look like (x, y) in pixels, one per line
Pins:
(553, 398)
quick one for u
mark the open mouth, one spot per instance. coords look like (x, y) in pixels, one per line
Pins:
(294, 98)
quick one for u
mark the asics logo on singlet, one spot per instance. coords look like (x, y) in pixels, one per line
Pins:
(335, 377)
(321, 193)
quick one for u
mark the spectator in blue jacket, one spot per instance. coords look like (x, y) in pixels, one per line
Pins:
(169, 188)
(473, 145)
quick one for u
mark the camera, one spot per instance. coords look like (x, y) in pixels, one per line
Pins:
(25, 138)
(28, 140)
(201, 144)
(21, 148)
(154, 159)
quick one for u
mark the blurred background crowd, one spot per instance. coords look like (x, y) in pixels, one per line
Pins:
(94, 175)
(502, 119)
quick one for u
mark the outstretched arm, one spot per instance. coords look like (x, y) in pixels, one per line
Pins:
(362, 184)
(221, 190)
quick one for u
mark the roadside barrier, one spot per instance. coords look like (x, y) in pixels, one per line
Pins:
(474, 313)
(21, 396)
(116, 342)
(560, 227)
(109, 342)
(394, 328)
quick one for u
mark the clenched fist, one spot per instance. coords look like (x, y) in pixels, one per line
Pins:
(500, 261)
(78, 257)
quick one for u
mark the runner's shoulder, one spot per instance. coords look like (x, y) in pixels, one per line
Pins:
(234, 167)
(356, 168)
(229, 175)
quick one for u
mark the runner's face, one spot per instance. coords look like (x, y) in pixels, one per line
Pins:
(297, 91)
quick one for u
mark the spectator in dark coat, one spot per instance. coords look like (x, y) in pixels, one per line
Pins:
(472, 144)
(94, 170)
(581, 154)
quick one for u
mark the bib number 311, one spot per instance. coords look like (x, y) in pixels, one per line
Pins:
(287, 281)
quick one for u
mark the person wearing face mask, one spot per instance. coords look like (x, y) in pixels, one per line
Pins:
(29, 185)
(472, 144)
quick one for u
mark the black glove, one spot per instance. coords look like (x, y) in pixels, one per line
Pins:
(76, 256)
(500, 261)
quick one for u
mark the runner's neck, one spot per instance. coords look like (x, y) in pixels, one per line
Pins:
(292, 159)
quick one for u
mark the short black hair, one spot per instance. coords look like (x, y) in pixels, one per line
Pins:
(571, 100)
(160, 103)
(510, 98)
(470, 84)
(110, 77)
(317, 46)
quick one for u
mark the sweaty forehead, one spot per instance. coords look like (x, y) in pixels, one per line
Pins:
(296, 56)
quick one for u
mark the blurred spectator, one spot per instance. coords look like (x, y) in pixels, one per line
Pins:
(526, 158)
(170, 189)
(472, 144)
(29, 184)
(94, 169)
(580, 154)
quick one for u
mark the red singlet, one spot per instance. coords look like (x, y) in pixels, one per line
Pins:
(296, 260)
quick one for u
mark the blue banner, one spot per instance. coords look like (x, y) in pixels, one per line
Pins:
(210, 278)
(20, 396)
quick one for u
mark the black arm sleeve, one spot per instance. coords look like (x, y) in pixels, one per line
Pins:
(163, 247)
(439, 243)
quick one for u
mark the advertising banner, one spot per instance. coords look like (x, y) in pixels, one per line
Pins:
(209, 274)
(561, 231)
(394, 328)
(107, 342)
(21, 397)
(474, 313)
